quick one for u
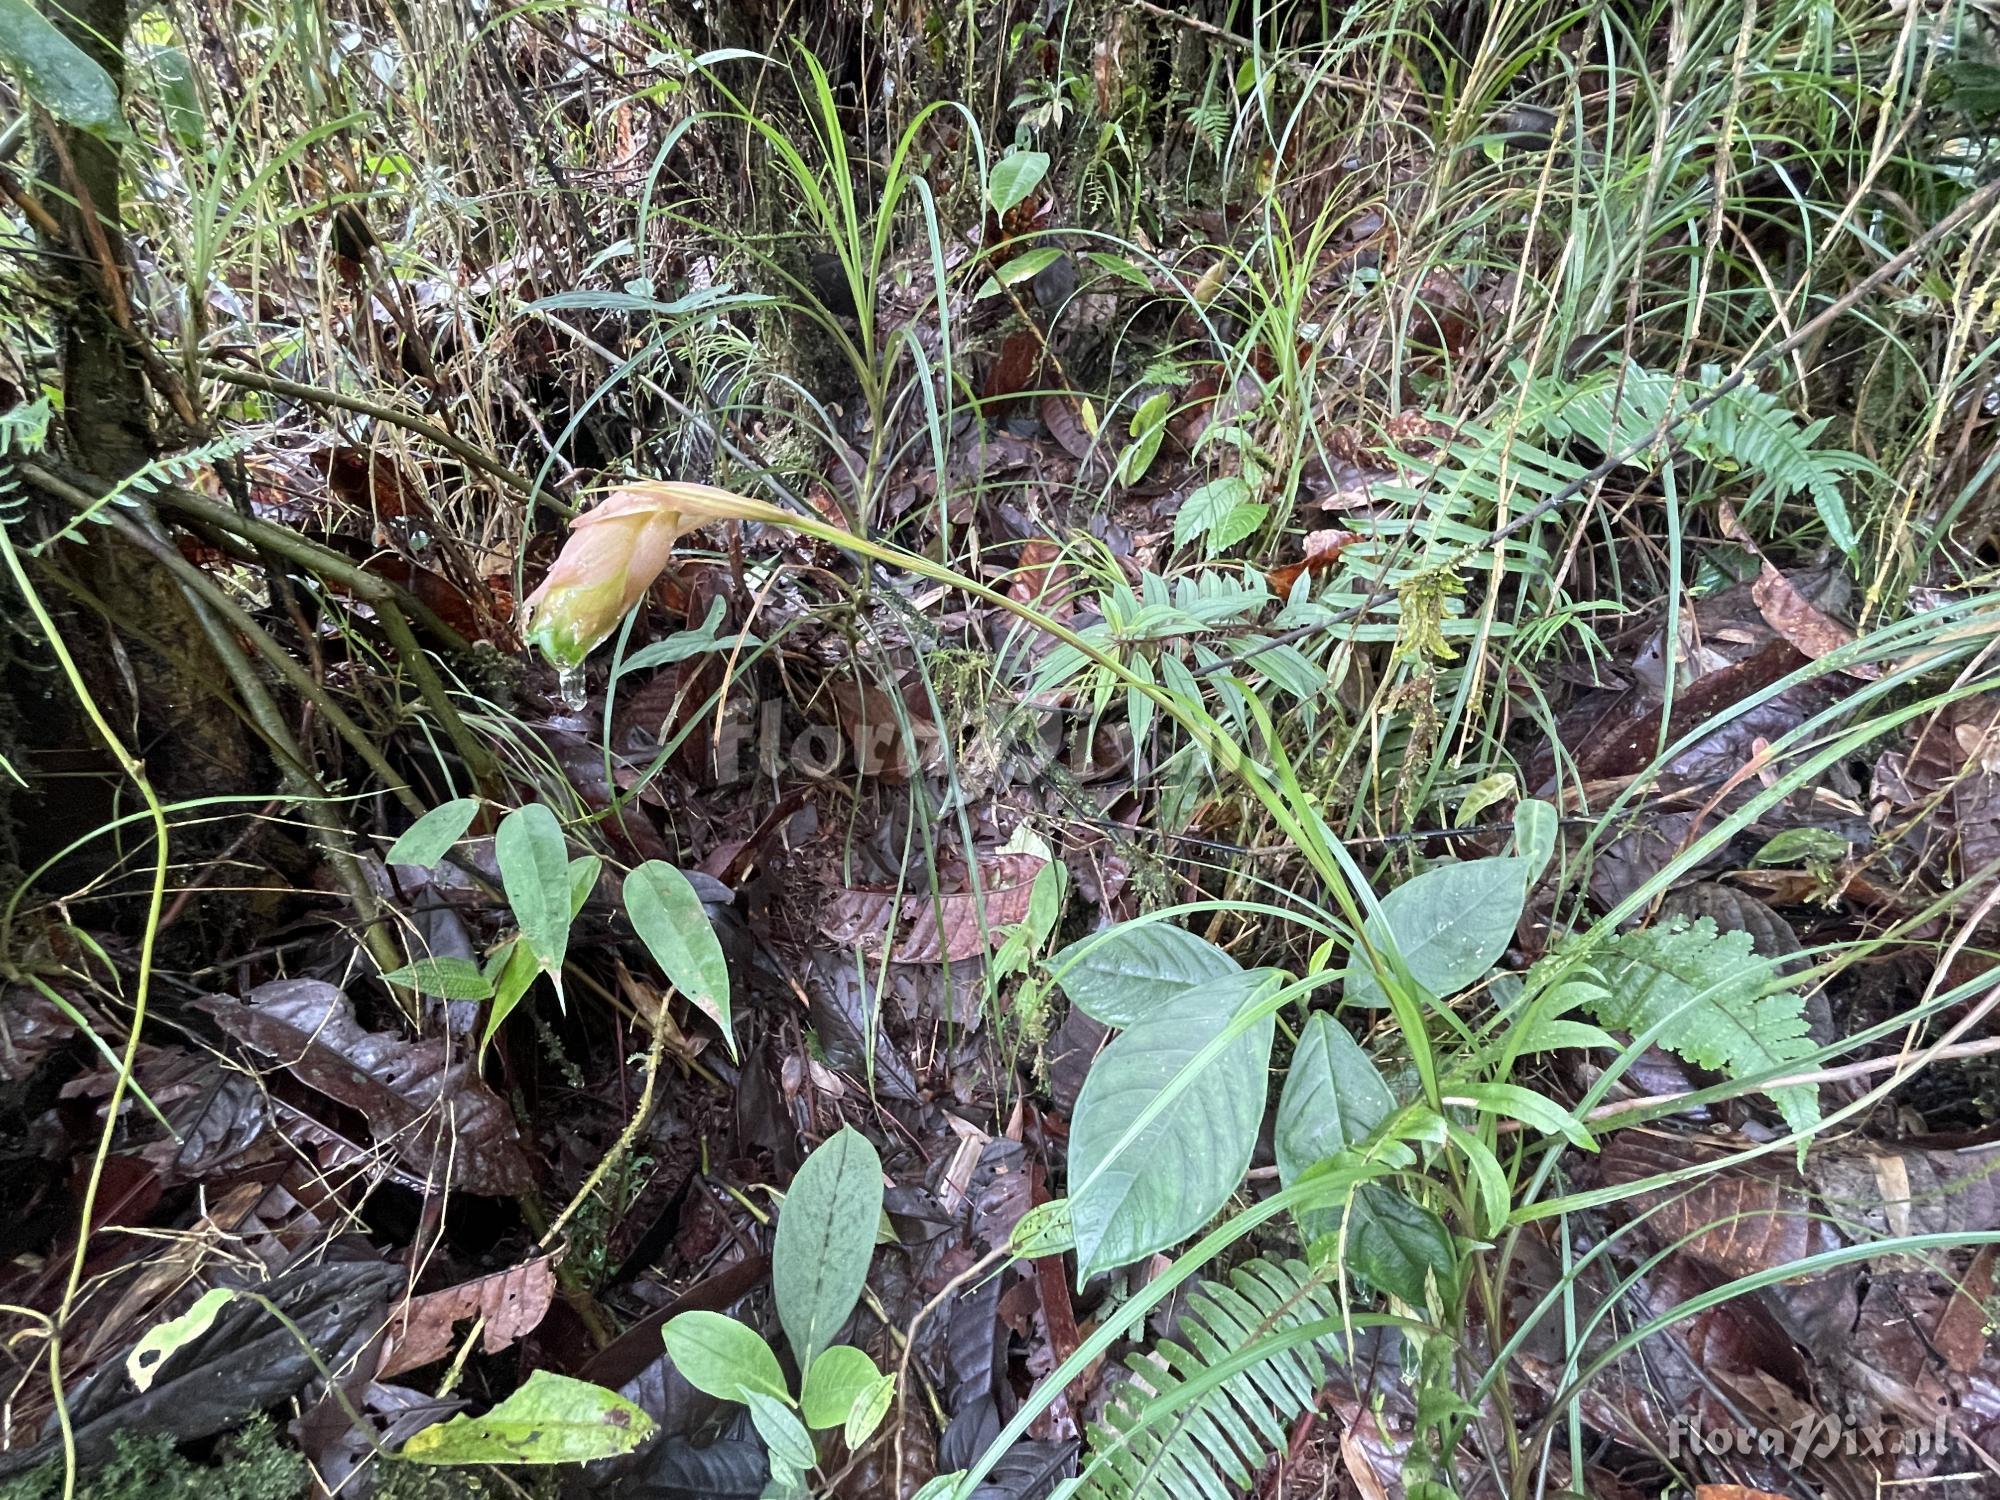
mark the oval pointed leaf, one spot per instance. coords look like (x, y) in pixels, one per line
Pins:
(722, 1357)
(59, 75)
(550, 1420)
(1131, 972)
(674, 926)
(1394, 1243)
(1334, 1098)
(838, 1378)
(1450, 925)
(534, 871)
(790, 1444)
(826, 1238)
(1015, 176)
(869, 1408)
(1129, 1198)
(430, 838)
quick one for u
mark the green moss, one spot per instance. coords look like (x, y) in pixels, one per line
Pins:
(249, 1465)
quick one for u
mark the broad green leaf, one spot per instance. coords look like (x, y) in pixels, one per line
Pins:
(1208, 506)
(1334, 1098)
(162, 1339)
(1530, 1108)
(790, 1444)
(1450, 924)
(583, 873)
(722, 1357)
(1394, 1243)
(867, 1412)
(826, 1238)
(1015, 176)
(1234, 527)
(1130, 1198)
(57, 74)
(1043, 1230)
(674, 926)
(443, 979)
(1481, 795)
(1124, 975)
(430, 838)
(838, 1378)
(534, 871)
(550, 1420)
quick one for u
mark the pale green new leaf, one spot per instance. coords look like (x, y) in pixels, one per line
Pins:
(722, 1357)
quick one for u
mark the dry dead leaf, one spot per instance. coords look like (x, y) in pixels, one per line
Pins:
(513, 1303)
(929, 930)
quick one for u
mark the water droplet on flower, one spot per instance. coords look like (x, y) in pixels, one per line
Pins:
(569, 687)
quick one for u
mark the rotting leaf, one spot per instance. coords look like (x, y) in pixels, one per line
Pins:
(247, 1361)
(930, 930)
(419, 1096)
(513, 1303)
(552, 1419)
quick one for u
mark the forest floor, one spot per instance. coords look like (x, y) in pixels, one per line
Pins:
(1002, 749)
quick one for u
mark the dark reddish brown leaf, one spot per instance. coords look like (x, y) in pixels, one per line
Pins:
(512, 1302)
(921, 930)
(1042, 580)
(1323, 549)
(422, 1099)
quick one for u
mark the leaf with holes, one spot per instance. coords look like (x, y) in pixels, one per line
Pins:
(550, 1420)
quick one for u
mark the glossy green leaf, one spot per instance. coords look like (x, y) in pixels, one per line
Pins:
(430, 838)
(1130, 1197)
(534, 871)
(674, 926)
(443, 979)
(1019, 269)
(790, 1444)
(550, 1420)
(1451, 924)
(826, 1238)
(838, 1378)
(1133, 971)
(722, 1357)
(56, 73)
(1334, 1098)
(1394, 1243)
(1016, 175)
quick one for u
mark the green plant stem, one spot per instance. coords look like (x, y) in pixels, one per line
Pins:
(316, 395)
(641, 1113)
(135, 771)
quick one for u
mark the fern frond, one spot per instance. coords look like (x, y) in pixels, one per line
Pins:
(1704, 990)
(1200, 1417)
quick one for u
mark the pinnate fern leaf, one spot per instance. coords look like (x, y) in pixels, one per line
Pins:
(1705, 990)
(1201, 1415)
